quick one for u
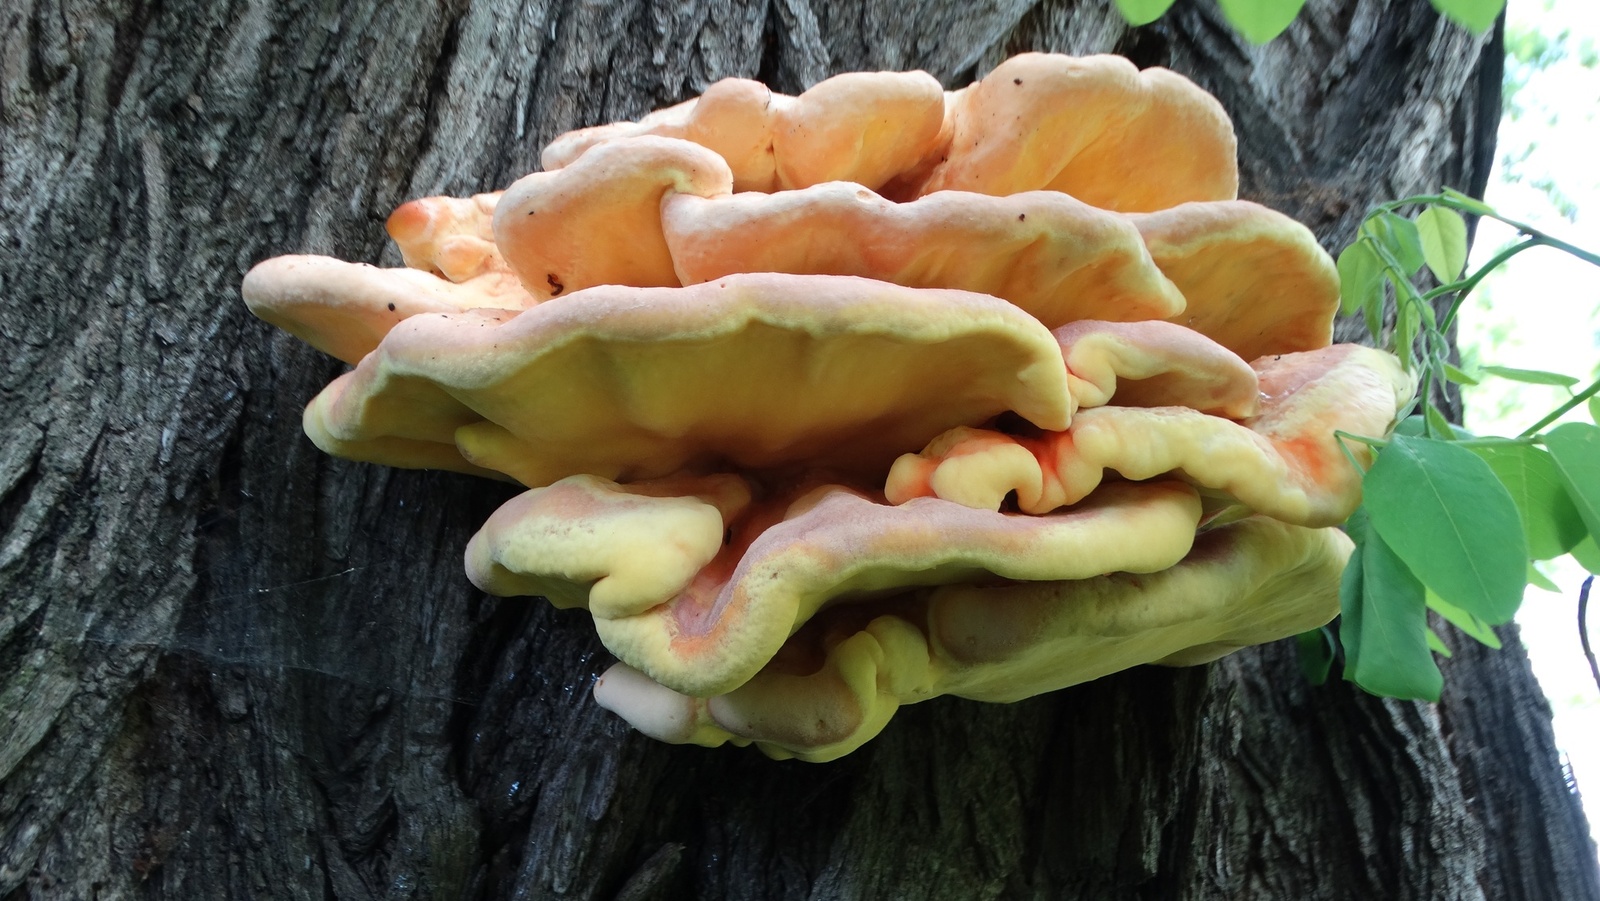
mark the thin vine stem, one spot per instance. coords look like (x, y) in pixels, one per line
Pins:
(1340, 437)
(1464, 288)
(1425, 392)
(1461, 289)
(1583, 629)
(1558, 412)
(1420, 336)
(1464, 204)
(1549, 240)
(1493, 441)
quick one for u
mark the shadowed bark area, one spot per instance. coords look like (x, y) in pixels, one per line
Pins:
(232, 667)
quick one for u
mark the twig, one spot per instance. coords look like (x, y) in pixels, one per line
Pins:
(1561, 411)
(1583, 629)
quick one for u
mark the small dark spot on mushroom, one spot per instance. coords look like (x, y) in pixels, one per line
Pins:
(531, 212)
(1022, 217)
(555, 284)
(391, 308)
(1016, 81)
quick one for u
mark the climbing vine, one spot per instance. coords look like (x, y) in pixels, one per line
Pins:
(1451, 522)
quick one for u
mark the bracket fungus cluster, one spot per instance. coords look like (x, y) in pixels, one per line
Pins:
(832, 403)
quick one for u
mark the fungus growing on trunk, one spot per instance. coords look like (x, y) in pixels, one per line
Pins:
(703, 341)
(844, 674)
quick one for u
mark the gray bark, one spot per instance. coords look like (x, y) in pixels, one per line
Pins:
(230, 667)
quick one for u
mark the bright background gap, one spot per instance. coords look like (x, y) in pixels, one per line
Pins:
(1542, 311)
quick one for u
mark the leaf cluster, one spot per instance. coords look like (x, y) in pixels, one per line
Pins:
(1450, 522)
(1262, 20)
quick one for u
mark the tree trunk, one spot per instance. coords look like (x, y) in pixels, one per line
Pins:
(233, 668)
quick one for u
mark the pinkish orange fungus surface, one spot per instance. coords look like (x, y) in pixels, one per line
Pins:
(829, 403)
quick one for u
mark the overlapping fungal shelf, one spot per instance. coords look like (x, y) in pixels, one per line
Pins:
(832, 403)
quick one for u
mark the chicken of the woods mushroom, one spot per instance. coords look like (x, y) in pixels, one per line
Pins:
(832, 403)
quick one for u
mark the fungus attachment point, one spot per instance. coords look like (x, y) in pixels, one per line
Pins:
(705, 339)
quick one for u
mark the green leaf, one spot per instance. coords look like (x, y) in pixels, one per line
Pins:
(1413, 426)
(1587, 553)
(1316, 654)
(1356, 525)
(1530, 376)
(1594, 408)
(1437, 645)
(1575, 447)
(1388, 622)
(1444, 242)
(1260, 20)
(1436, 421)
(1407, 325)
(1474, 15)
(1467, 201)
(1400, 236)
(1142, 12)
(1360, 277)
(1549, 519)
(1373, 314)
(1405, 332)
(1350, 608)
(1474, 628)
(1458, 376)
(1539, 580)
(1445, 513)
(1425, 309)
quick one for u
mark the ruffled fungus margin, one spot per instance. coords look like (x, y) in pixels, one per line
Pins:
(702, 338)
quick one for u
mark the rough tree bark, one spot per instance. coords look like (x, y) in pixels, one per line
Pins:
(231, 667)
